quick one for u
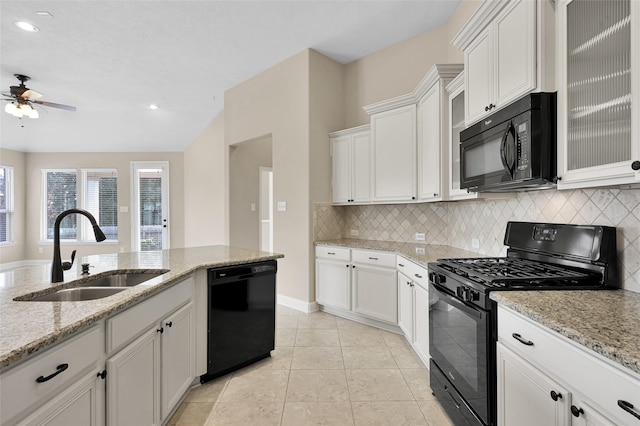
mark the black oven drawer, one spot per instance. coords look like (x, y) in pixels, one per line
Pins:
(451, 401)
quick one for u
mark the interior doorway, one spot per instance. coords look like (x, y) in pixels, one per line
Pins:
(266, 209)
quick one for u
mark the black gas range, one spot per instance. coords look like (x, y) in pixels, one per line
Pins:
(462, 317)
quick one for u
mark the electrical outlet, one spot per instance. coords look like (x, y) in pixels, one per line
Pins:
(475, 243)
(419, 250)
(420, 236)
(282, 206)
(40, 250)
(354, 232)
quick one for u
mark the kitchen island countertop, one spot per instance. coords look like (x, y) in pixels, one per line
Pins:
(29, 327)
(607, 322)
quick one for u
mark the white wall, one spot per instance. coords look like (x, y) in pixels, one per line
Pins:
(15, 251)
(205, 188)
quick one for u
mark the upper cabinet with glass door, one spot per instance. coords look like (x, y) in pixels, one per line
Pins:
(508, 52)
(599, 93)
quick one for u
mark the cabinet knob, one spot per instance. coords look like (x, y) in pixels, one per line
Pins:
(486, 108)
(169, 324)
(491, 106)
(555, 395)
(413, 198)
(160, 330)
(576, 411)
(635, 165)
(102, 374)
(435, 194)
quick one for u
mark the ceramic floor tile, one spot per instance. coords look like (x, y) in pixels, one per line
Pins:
(367, 357)
(285, 337)
(280, 359)
(286, 321)
(256, 385)
(378, 385)
(434, 414)
(191, 414)
(385, 413)
(356, 337)
(418, 381)
(312, 358)
(317, 385)
(346, 324)
(242, 414)
(405, 357)
(317, 413)
(208, 392)
(318, 320)
(317, 337)
(394, 339)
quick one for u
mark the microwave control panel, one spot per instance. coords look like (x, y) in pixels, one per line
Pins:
(522, 146)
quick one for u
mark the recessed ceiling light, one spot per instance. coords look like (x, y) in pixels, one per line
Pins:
(153, 106)
(26, 26)
(44, 13)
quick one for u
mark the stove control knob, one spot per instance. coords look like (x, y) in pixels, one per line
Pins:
(474, 295)
(460, 292)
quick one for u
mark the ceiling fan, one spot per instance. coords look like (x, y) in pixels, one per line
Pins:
(22, 99)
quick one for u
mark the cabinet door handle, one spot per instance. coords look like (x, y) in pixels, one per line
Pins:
(59, 369)
(169, 324)
(401, 265)
(331, 253)
(418, 275)
(576, 411)
(373, 258)
(628, 407)
(555, 395)
(521, 340)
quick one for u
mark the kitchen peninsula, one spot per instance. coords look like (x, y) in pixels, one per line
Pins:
(95, 333)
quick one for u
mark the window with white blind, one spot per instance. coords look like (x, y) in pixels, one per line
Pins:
(6, 204)
(96, 191)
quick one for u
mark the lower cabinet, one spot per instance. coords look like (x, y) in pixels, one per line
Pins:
(546, 379)
(405, 305)
(413, 305)
(375, 292)
(526, 396)
(421, 323)
(82, 403)
(333, 283)
(149, 376)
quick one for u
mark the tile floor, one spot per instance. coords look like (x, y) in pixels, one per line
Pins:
(325, 370)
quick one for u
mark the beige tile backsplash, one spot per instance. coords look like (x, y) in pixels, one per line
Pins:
(457, 223)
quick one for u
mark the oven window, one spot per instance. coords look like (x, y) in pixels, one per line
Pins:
(458, 345)
(484, 158)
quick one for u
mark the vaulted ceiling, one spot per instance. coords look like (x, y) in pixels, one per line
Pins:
(112, 59)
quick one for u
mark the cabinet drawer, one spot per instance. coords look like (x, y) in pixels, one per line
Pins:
(369, 257)
(19, 389)
(593, 376)
(125, 326)
(419, 274)
(330, 252)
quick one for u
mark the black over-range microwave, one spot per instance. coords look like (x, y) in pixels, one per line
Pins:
(513, 149)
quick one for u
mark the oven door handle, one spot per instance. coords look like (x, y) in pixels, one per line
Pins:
(469, 310)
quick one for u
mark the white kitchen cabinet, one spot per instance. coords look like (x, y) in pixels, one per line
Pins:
(421, 322)
(526, 396)
(155, 359)
(598, 93)
(133, 385)
(178, 357)
(393, 158)
(508, 52)
(455, 96)
(81, 403)
(333, 276)
(375, 292)
(351, 171)
(433, 134)
(405, 305)
(47, 376)
(532, 357)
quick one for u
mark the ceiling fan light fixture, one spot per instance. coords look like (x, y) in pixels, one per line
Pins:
(13, 109)
(29, 111)
(26, 26)
(153, 106)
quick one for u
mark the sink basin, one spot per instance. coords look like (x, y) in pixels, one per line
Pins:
(124, 279)
(78, 294)
(97, 287)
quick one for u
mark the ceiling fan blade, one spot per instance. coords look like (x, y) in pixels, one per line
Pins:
(53, 105)
(31, 94)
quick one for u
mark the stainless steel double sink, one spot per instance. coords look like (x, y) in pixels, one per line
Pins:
(97, 287)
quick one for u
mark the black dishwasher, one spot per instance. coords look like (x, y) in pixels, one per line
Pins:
(241, 316)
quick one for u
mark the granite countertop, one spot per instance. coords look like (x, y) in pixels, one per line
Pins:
(432, 252)
(27, 327)
(607, 322)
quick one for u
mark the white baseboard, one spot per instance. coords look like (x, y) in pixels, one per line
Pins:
(296, 304)
(22, 263)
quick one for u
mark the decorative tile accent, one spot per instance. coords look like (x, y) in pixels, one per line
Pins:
(457, 223)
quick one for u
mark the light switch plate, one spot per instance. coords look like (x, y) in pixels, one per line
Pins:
(124, 209)
(354, 232)
(420, 236)
(282, 206)
(253, 207)
(419, 250)
(475, 243)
